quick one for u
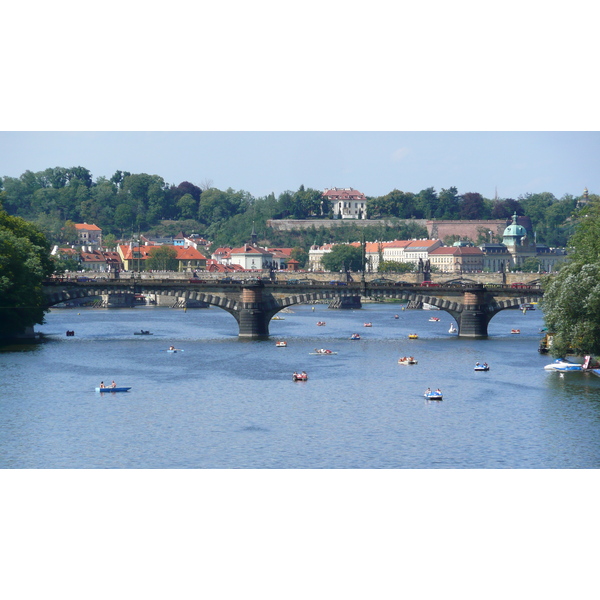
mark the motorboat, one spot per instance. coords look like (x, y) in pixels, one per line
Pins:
(407, 360)
(515, 331)
(437, 395)
(300, 377)
(322, 351)
(413, 336)
(563, 365)
(113, 389)
(481, 367)
(452, 328)
(434, 319)
(281, 344)
(355, 336)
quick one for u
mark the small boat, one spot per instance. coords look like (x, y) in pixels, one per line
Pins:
(437, 395)
(481, 367)
(562, 364)
(281, 344)
(299, 377)
(368, 325)
(355, 336)
(413, 336)
(434, 319)
(321, 351)
(142, 332)
(278, 319)
(407, 360)
(113, 389)
(320, 323)
(396, 317)
(452, 328)
(515, 331)
(174, 350)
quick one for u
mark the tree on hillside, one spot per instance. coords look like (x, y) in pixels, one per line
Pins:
(24, 263)
(343, 258)
(572, 297)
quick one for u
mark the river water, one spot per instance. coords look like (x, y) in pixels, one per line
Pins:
(227, 403)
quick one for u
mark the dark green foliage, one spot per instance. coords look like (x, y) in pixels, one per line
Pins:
(343, 258)
(24, 263)
(162, 258)
(572, 296)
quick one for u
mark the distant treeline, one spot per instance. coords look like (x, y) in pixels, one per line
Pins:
(128, 203)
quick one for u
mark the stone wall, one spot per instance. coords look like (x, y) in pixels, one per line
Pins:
(289, 224)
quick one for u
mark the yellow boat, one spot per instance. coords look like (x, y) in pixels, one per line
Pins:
(413, 336)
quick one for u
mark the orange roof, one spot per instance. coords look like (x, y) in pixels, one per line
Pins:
(87, 227)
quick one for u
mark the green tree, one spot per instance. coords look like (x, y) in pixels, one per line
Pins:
(24, 263)
(162, 258)
(572, 297)
(343, 257)
(392, 266)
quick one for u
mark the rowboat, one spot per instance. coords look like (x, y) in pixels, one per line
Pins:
(355, 336)
(321, 323)
(434, 319)
(142, 333)
(515, 331)
(281, 344)
(318, 352)
(413, 336)
(407, 361)
(368, 325)
(299, 377)
(113, 389)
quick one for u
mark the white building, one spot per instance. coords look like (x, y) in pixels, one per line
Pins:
(347, 203)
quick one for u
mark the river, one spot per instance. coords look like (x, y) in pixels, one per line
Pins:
(226, 403)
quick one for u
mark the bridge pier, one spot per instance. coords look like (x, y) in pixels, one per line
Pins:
(473, 320)
(252, 319)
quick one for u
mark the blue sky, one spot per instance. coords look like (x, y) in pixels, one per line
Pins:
(513, 163)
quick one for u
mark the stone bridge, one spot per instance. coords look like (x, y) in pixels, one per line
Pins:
(253, 303)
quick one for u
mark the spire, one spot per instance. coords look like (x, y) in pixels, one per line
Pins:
(253, 235)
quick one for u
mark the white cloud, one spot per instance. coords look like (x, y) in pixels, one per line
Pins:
(399, 154)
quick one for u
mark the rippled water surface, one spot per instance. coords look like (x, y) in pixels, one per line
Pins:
(228, 403)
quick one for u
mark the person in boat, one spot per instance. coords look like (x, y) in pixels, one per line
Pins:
(171, 347)
(304, 375)
(102, 384)
(428, 391)
(477, 364)
(438, 391)
(411, 358)
(113, 384)
(485, 365)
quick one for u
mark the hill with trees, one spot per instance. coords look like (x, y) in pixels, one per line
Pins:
(127, 203)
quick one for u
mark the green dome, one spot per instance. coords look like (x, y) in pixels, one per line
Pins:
(514, 231)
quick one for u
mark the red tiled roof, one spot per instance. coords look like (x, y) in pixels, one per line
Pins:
(87, 227)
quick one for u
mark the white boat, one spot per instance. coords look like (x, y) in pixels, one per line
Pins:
(482, 367)
(452, 328)
(433, 395)
(322, 351)
(562, 364)
(281, 344)
(434, 319)
(407, 361)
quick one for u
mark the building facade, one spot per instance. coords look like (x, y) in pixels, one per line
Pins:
(347, 203)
